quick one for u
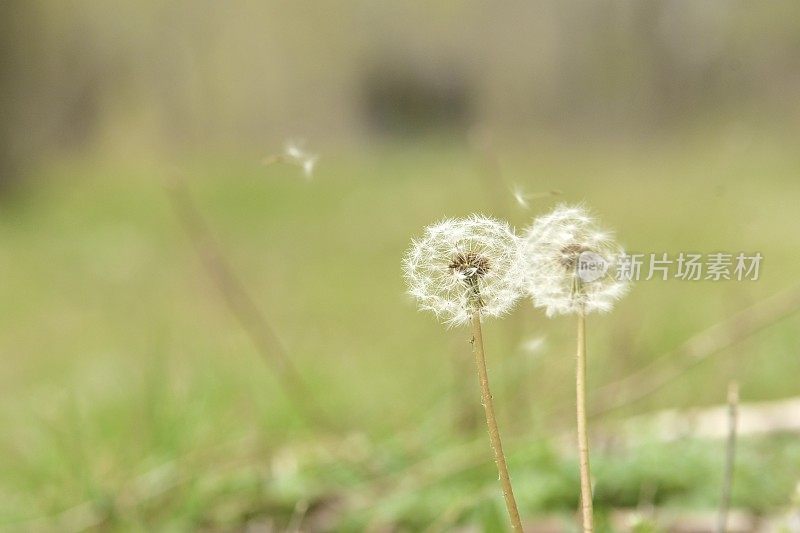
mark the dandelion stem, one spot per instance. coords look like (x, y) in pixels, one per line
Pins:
(730, 457)
(583, 435)
(491, 422)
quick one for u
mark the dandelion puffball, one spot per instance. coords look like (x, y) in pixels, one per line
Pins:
(462, 265)
(571, 264)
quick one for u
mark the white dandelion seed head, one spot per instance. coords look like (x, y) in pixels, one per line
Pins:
(558, 248)
(460, 265)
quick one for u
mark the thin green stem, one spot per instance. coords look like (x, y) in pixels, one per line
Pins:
(583, 434)
(491, 422)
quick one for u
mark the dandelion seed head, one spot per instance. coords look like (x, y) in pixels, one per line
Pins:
(553, 246)
(460, 265)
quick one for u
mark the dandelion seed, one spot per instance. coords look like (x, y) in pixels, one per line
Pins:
(293, 150)
(534, 345)
(520, 196)
(308, 167)
(295, 154)
(571, 263)
(463, 264)
(524, 199)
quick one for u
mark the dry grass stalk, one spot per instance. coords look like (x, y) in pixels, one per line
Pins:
(242, 305)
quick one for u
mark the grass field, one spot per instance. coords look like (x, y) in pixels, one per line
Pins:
(132, 399)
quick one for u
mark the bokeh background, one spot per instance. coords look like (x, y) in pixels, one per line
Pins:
(134, 399)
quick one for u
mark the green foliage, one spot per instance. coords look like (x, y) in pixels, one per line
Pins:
(132, 399)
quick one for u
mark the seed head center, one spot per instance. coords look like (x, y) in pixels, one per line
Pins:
(470, 265)
(570, 254)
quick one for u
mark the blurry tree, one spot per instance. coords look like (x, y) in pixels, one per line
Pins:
(200, 73)
(52, 84)
(404, 99)
(13, 26)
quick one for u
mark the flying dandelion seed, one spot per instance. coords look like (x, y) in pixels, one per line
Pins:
(524, 199)
(463, 264)
(295, 154)
(293, 150)
(520, 196)
(571, 263)
(534, 345)
(308, 167)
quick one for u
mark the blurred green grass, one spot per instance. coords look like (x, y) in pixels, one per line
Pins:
(129, 389)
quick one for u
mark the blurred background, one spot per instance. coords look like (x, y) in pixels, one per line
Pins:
(279, 379)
